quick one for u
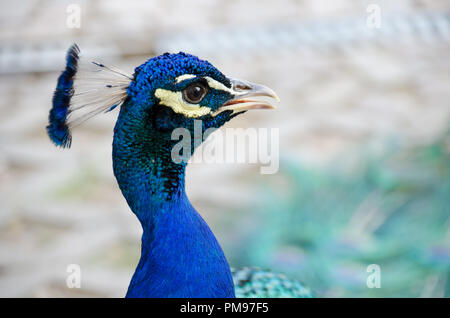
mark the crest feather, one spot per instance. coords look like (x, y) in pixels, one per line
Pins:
(83, 91)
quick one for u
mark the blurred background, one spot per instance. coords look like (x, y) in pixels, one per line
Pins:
(364, 143)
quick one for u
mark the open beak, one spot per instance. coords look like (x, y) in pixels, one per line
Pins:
(242, 101)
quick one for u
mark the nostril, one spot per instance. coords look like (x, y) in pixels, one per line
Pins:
(243, 87)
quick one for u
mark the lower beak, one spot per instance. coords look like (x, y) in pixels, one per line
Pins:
(242, 101)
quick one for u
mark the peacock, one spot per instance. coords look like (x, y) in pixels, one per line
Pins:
(180, 256)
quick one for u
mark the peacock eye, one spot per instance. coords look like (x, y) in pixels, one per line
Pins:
(195, 92)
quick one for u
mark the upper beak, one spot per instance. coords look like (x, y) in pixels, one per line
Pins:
(243, 90)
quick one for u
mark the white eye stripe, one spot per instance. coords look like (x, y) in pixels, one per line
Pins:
(184, 77)
(219, 86)
(212, 83)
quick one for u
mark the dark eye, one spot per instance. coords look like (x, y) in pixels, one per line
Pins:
(194, 93)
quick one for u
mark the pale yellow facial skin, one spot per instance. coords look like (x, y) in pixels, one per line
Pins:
(175, 100)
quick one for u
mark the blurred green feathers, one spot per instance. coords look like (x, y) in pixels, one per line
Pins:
(326, 226)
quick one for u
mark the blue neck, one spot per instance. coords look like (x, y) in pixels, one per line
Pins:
(180, 256)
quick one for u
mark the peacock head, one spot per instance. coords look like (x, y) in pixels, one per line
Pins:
(166, 92)
(182, 84)
(180, 88)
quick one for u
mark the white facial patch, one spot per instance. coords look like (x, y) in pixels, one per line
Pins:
(175, 101)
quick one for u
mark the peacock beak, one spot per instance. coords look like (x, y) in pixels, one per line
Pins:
(244, 92)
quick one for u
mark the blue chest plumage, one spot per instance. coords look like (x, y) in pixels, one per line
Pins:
(180, 257)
